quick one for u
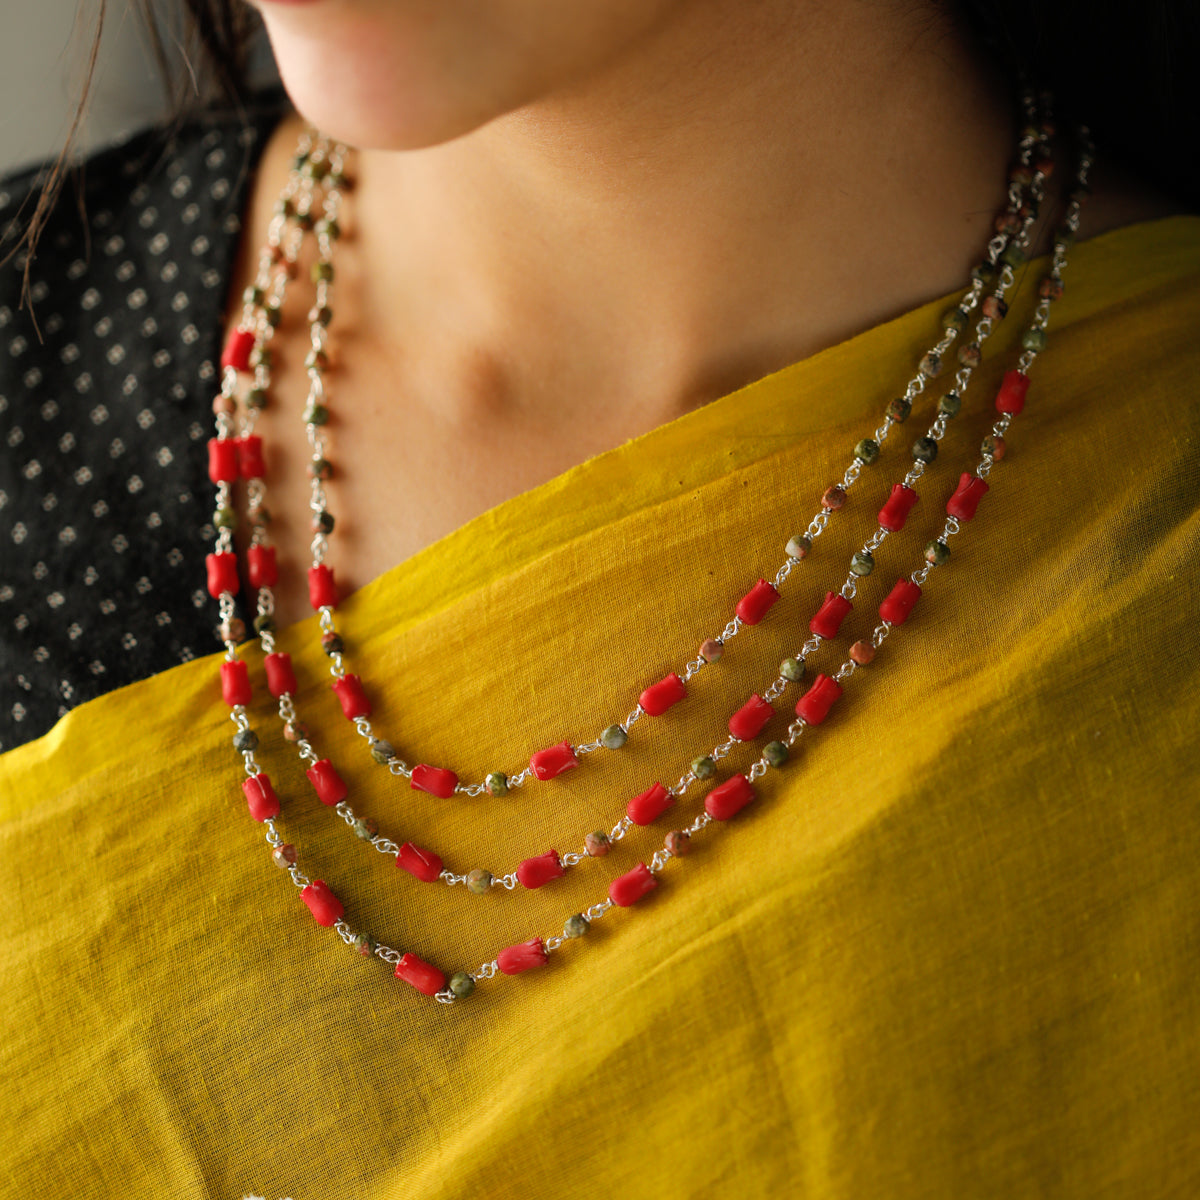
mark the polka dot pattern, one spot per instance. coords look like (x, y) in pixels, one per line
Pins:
(104, 415)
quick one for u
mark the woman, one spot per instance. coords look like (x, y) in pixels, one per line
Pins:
(935, 944)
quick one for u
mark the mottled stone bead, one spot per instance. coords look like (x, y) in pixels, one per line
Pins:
(329, 227)
(993, 446)
(995, 308)
(332, 644)
(261, 356)
(798, 546)
(949, 404)
(930, 365)
(225, 518)
(1007, 222)
(1013, 255)
(970, 354)
(834, 497)
(478, 881)
(862, 653)
(1065, 236)
(365, 944)
(320, 315)
(322, 272)
(316, 360)
(775, 754)
(1034, 339)
(711, 650)
(256, 397)
(461, 985)
(253, 295)
(677, 843)
(295, 731)
(259, 514)
(925, 449)
(899, 409)
(315, 168)
(316, 414)
(232, 630)
(614, 737)
(365, 828)
(382, 750)
(244, 740)
(937, 553)
(273, 314)
(284, 856)
(1021, 174)
(597, 844)
(264, 623)
(792, 669)
(867, 451)
(1050, 288)
(320, 468)
(862, 563)
(496, 784)
(704, 767)
(984, 273)
(576, 926)
(322, 522)
(223, 404)
(956, 319)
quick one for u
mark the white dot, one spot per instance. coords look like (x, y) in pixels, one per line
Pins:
(181, 187)
(162, 618)
(120, 543)
(77, 269)
(90, 298)
(169, 272)
(149, 327)
(103, 327)
(145, 418)
(115, 353)
(74, 631)
(56, 599)
(54, 323)
(32, 378)
(84, 382)
(179, 301)
(136, 298)
(69, 353)
(83, 475)
(90, 576)
(114, 245)
(148, 216)
(128, 641)
(214, 158)
(190, 213)
(161, 358)
(200, 245)
(100, 508)
(17, 346)
(126, 271)
(129, 385)
(108, 607)
(66, 535)
(134, 484)
(16, 435)
(40, 570)
(32, 469)
(158, 243)
(66, 442)
(19, 532)
(143, 585)
(39, 291)
(116, 448)
(96, 667)
(49, 502)
(49, 410)
(99, 414)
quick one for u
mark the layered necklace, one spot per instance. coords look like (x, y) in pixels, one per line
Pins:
(309, 205)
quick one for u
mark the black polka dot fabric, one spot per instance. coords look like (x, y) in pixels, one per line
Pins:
(105, 410)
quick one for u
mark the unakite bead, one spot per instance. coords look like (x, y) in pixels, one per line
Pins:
(316, 360)
(259, 514)
(315, 168)
(253, 295)
(225, 518)
(867, 450)
(711, 650)
(984, 273)
(862, 563)
(322, 522)
(328, 227)
(478, 881)
(496, 784)
(899, 409)
(955, 319)
(1050, 288)
(316, 414)
(365, 944)
(320, 314)
(245, 739)
(993, 446)
(320, 468)
(365, 828)
(792, 669)
(382, 750)
(995, 308)
(862, 652)
(704, 767)
(1034, 339)
(799, 546)
(284, 856)
(597, 844)
(1065, 236)
(677, 843)
(274, 315)
(949, 404)
(937, 553)
(256, 398)
(834, 497)
(576, 926)
(970, 354)
(261, 356)
(306, 220)
(264, 623)
(775, 754)
(461, 985)
(295, 731)
(332, 644)
(930, 364)
(322, 272)
(925, 449)
(614, 737)
(1013, 255)
(233, 630)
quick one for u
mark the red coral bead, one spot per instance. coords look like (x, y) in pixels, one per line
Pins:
(328, 784)
(437, 781)
(554, 760)
(261, 567)
(420, 974)
(235, 683)
(533, 872)
(659, 697)
(756, 603)
(729, 799)
(424, 864)
(899, 602)
(222, 460)
(1011, 396)
(830, 615)
(237, 349)
(899, 504)
(321, 589)
(629, 888)
(249, 456)
(971, 489)
(281, 679)
(261, 798)
(325, 907)
(748, 722)
(648, 806)
(352, 698)
(522, 957)
(222, 574)
(815, 704)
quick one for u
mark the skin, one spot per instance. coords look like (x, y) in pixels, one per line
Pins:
(573, 223)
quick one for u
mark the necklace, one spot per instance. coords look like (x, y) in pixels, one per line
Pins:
(317, 163)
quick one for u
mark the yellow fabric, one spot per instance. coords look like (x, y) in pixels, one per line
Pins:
(950, 950)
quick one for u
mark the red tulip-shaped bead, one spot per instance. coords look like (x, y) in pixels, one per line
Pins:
(533, 872)
(424, 864)
(658, 697)
(971, 489)
(328, 784)
(729, 799)
(896, 608)
(420, 974)
(815, 704)
(554, 760)
(261, 798)
(261, 567)
(748, 722)
(222, 574)
(237, 349)
(830, 615)
(522, 957)
(437, 781)
(321, 589)
(249, 457)
(325, 907)
(352, 698)
(649, 805)
(755, 604)
(899, 504)
(1011, 397)
(629, 888)
(235, 683)
(222, 460)
(281, 679)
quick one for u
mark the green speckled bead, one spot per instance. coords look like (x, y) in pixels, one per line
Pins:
(225, 518)
(322, 272)
(955, 319)
(704, 767)
(315, 168)
(285, 207)
(792, 669)
(984, 273)
(1034, 339)
(274, 314)
(1065, 236)
(328, 227)
(899, 409)
(261, 356)
(970, 354)
(930, 365)
(949, 404)
(264, 623)
(799, 546)
(576, 926)
(338, 179)
(597, 844)
(775, 754)
(614, 737)
(478, 881)
(862, 563)
(322, 522)
(1013, 255)
(245, 739)
(365, 829)
(461, 985)
(253, 295)
(365, 944)
(306, 220)
(867, 450)
(256, 397)
(320, 315)
(259, 514)
(925, 449)
(496, 784)
(937, 553)
(320, 468)
(382, 750)
(316, 414)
